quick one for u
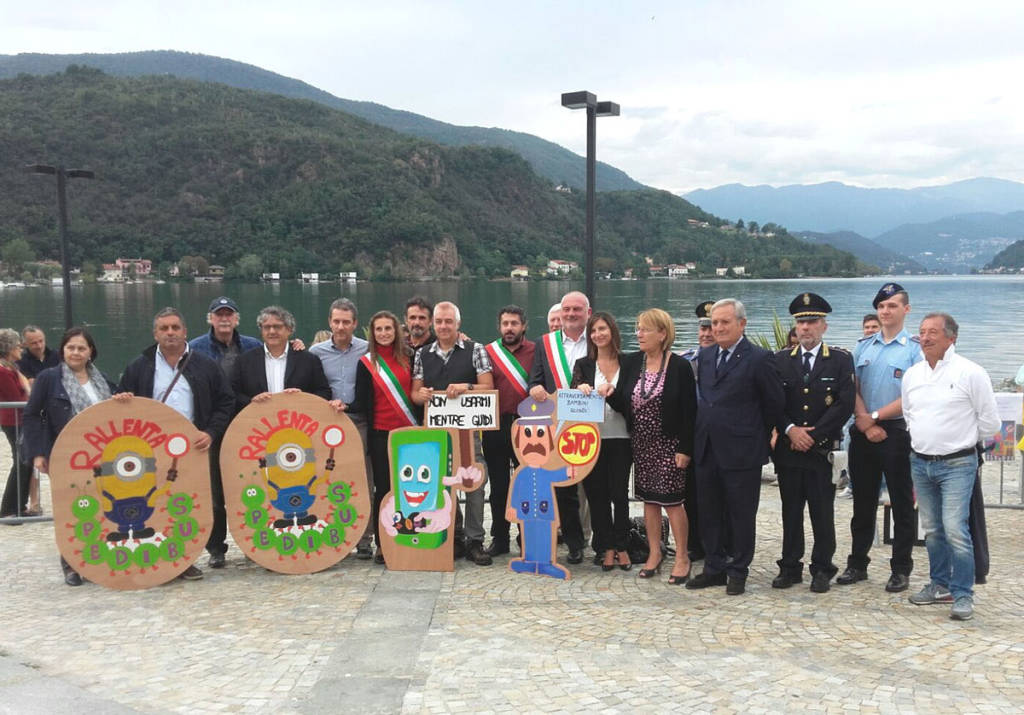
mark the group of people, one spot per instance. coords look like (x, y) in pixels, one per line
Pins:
(694, 429)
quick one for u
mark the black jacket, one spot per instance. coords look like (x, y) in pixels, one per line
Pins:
(302, 370)
(678, 400)
(213, 403)
(47, 412)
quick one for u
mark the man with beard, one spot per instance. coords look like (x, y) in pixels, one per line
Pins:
(418, 316)
(553, 363)
(511, 357)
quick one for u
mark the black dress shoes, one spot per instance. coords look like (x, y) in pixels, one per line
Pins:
(575, 556)
(851, 575)
(705, 580)
(820, 582)
(217, 560)
(786, 579)
(71, 577)
(498, 548)
(736, 585)
(897, 582)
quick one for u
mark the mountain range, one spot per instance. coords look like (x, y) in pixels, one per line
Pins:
(548, 159)
(834, 206)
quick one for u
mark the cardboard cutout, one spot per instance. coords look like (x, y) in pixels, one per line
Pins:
(550, 454)
(417, 516)
(131, 496)
(294, 483)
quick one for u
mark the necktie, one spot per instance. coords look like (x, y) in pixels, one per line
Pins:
(722, 357)
(807, 362)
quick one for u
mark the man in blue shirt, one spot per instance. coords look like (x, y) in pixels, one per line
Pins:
(879, 441)
(340, 357)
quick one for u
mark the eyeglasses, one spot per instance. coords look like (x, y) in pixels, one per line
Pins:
(273, 326)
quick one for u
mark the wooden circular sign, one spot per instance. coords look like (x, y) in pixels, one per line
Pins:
(294, 483)
(131, 494)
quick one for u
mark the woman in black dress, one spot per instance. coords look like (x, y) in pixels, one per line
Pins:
(657, 394)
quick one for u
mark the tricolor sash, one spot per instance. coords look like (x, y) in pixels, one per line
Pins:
(510, 368)
(386, 380)
(557, 360)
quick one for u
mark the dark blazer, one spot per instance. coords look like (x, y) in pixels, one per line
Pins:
(540, 372)
(213, 404)
(738, 407)
(302, 370)
(47, 412)
(823, 401)
(678, 400)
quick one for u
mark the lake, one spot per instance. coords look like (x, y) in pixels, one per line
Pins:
(120, 315)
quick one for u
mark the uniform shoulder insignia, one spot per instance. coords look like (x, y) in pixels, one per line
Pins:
(866, 337)
(792, 353)
(839, 349)
(915, 339)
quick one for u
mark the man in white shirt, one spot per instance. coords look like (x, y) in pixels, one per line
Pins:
(949, 407)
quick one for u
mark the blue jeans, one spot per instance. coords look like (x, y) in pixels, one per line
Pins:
(944, 499)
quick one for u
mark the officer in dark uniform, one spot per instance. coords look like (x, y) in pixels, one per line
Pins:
(820, 393)
(704, 339)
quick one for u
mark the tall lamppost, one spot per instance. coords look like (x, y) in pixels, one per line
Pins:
(62, 222)
(595, 109)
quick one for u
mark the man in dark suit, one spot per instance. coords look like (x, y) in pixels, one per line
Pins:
(553, 362)
(739, 401)
(275, 367)
(819, 387)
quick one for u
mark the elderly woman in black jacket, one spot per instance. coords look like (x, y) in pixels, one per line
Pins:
(657, 394)
(58, 394)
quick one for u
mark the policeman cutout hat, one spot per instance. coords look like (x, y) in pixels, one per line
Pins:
(703, 312)
(532, 412)
(886, 292)
(809, 306)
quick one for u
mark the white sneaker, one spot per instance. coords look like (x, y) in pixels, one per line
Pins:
(845, 493)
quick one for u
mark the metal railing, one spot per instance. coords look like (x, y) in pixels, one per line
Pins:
(18, 466)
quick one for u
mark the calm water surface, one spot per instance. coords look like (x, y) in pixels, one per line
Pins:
(120, 315)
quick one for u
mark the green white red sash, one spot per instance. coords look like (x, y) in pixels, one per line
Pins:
(556, 359)
(510, 368)
(386, 380)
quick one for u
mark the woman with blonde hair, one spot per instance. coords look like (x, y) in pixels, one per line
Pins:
(657, 394)
(14, 387)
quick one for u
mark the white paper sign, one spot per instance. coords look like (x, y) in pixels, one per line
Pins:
(476, 409)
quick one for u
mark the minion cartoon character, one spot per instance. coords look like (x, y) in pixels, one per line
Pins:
(289, 466)
(126, 477)
(419, 512)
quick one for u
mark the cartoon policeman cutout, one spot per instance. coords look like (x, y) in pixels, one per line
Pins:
(532, 495)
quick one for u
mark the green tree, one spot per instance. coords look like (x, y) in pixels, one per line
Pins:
(16, 253)
(250, 267)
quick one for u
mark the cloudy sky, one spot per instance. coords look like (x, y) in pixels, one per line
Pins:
(902, 93)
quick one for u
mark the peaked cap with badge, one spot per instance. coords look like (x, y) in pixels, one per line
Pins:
(809, 306)
(703, 312)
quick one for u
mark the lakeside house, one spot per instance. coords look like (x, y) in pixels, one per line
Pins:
(347, 276)
(309, 277)
(520, 273)
(271, 277)
(557, 267)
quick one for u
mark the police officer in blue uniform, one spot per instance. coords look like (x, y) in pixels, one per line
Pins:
(818, 382)
(880, 441)
(704, 336)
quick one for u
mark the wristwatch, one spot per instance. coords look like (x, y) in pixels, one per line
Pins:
(470, 387)
(874, 415)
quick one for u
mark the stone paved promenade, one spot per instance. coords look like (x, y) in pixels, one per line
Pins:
(360, 639)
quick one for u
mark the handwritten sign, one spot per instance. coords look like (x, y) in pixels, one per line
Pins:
(574, 406)
(473, 410)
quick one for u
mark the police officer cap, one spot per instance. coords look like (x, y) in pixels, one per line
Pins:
(536, 413)
(886, 292)
(222, 302)
(703, 312)
(809, 306)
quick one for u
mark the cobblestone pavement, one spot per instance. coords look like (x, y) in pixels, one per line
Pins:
(362, 639)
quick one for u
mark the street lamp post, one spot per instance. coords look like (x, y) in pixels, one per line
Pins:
(587, 100)
(62, 222)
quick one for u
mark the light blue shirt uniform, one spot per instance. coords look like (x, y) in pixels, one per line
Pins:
(880, 367)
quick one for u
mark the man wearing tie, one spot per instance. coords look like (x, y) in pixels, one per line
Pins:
(739, 401)
(818, 384)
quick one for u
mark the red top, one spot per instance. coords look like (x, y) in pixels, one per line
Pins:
(10, 391)
(386, 417)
